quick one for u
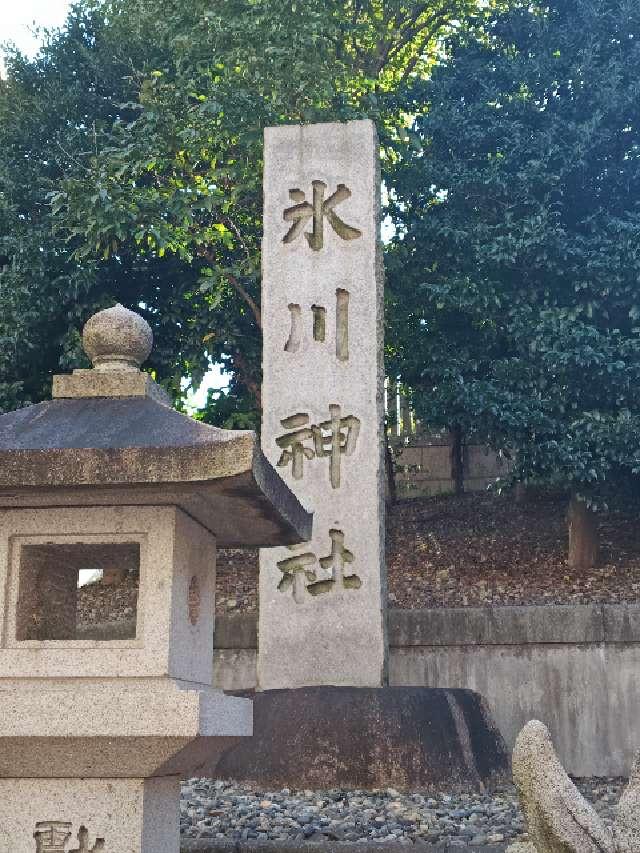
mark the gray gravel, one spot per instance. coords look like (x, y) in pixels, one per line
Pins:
(213, 809)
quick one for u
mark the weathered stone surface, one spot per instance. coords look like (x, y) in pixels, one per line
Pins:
(322, 606)
(333, 737)
(173, 549)
(112, 383)
(621, 623)
(559, 819)
(627, 827)
(517, 625)
(130, 815)
(116, 729)
(134, 450)
(117, 339)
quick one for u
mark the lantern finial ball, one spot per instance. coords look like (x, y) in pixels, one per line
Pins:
(117, 339)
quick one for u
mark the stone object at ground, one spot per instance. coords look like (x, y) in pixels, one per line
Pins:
(322, 606)
(627, 827)
(559, 819)
(410, 738)
(96, 729)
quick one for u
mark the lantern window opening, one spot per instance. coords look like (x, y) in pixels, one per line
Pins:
(54, 602)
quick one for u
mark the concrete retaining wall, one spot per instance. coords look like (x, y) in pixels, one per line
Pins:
(422, 463)
(577, 668)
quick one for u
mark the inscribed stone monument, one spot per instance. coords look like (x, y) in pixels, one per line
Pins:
(321, 616)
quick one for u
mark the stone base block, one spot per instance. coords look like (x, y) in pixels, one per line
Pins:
(73, 815)
(350, 737)
(125, 728)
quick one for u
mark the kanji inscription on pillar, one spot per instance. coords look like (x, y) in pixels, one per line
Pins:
(332, 438)
(322, 618)
(300, 213)
(52, 836)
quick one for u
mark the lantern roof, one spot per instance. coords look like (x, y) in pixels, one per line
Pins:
(110, 437)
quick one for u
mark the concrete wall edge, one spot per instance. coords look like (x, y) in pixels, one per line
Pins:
(511, 625)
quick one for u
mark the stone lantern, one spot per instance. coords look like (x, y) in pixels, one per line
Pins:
(98, 722)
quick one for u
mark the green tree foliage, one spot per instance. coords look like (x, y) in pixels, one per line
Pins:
(55, 113)
(515, 274)
(179, 174)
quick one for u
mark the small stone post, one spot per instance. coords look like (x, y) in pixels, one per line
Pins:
(322, 605)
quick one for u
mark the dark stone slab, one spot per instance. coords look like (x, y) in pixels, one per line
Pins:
(405, 737)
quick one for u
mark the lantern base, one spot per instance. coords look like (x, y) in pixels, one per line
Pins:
(63, 815)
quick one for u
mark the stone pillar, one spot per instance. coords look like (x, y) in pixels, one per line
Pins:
(322, 604)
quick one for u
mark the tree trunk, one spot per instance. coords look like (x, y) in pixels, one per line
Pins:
(457, 459)
(584, 543)
(390, 491)
(246, 377)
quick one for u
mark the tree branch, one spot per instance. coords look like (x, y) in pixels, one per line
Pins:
(438, 22)
(237, 285)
